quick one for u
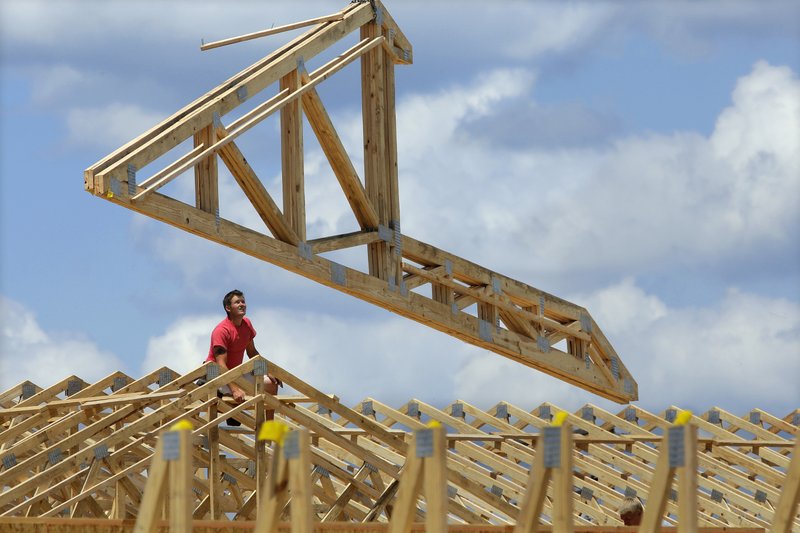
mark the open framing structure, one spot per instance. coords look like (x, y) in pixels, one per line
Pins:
(404, 275)
(83, 450)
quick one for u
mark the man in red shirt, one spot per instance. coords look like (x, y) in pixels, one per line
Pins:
(229, 340)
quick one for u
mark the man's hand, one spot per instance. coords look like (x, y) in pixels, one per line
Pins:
(237, 393)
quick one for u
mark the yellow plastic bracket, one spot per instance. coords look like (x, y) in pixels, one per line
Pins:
(273, 430)
(683, 418)
(181, 425)
(559, 419)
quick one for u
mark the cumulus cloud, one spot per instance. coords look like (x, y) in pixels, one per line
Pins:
(109, 126)
(29, 353)
(740, 352)
(558, 29)
(634, 205)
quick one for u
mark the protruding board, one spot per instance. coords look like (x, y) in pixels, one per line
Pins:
(406, 276)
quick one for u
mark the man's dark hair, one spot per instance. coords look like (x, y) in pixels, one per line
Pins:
(226, 302)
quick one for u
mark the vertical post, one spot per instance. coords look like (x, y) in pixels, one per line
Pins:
(214, 472)
(687, 483)
(181, 474)
(205, 174)
(553, 459)
(411, 481)
(297, 452)
(790, 496)
(172, 461)
(538, 478)
(563, 520)
(273, 489)
(435, 481)
(391, 172)
(671, 456)
(259, 373)
(294, 202)
(373, 106)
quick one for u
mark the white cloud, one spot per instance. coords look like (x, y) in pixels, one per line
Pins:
(740, 353)
(636, 205)
(29, 353)
(109, 126)
(555, 28)
(182, 347)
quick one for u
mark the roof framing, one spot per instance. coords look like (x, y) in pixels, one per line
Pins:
(404, 275)
(85, 450)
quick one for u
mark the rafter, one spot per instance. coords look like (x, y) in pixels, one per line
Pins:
(358, 454)
(406, 276)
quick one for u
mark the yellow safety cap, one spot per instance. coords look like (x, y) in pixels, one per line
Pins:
(181, 425)
(273, 430)
(683, 418)
(560, 418)
(434, 424)
(109, 194)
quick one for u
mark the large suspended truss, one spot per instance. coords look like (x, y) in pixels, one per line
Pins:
(404, 275)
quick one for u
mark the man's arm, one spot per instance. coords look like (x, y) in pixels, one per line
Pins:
(221, 357)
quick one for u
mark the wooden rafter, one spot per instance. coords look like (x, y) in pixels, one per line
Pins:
(406, 276)
(85, 450)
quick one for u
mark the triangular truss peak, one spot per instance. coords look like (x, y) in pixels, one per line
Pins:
(85, 451)
(404, 275)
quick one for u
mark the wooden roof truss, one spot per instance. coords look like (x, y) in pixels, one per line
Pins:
(403, 275)
(83, 450)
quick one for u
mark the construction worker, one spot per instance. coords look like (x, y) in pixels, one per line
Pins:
(229, 340)
(631, 511)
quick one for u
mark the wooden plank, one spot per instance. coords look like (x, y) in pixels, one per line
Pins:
(786, 510)
(339, 242)
(435, 483)
(205, 174)
(255, 191)
(339, 160)
(410, 486)
(373, 109)
(153, 497)
(300, 484)
(294, 203)
(687, 482)
(271, 31)
(181, 473)
(563, 519)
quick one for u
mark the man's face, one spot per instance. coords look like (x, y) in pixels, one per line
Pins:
(237, 308)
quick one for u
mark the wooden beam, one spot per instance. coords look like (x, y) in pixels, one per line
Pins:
(271, 31)
(255, 191)
(205, 174)
(373, 109)
(294, 200)
(339, 242)
(339, 160)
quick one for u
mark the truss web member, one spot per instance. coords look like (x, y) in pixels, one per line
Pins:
(229, 340)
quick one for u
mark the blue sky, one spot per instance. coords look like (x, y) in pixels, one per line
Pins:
(642, 160)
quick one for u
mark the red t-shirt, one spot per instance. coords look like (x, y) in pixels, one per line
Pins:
(233, 339)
